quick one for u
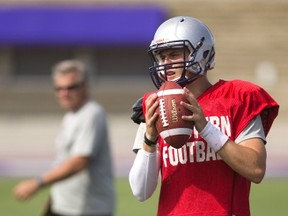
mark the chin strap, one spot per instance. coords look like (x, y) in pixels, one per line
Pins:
(183, 81)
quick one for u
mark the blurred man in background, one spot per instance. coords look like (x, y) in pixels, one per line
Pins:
(81, 179)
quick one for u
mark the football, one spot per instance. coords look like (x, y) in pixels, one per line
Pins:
(171, 127)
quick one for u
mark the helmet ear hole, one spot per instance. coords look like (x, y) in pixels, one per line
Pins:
(205, 54)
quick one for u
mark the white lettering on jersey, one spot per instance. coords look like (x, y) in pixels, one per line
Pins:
(182, 153)
(222, 123)
(196, 151)
(191, 152)
(173, 156)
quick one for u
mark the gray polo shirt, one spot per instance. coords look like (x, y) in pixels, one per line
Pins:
(91, 191)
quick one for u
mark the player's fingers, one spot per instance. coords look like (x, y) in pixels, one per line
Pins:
(196, 111)
(150, 100)
(192, 104)
(188, 106)
(151, 105)
(189, 96)
(151, 114)
(197, 115)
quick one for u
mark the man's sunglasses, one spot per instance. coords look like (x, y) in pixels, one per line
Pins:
(68, 88)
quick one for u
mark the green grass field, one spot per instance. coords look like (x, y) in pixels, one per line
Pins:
(268, 198)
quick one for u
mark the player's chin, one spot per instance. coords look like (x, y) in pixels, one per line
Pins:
(172, 78)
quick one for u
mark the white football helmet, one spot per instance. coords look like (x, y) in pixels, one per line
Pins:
(191, 35)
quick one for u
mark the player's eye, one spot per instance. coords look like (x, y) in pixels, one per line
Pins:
(175, 55)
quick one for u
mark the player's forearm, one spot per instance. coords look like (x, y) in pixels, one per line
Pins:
(143, 175)
(247, 159)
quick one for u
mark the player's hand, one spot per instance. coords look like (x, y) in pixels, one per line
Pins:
(26, 189)
(151, 116)
(197, 114)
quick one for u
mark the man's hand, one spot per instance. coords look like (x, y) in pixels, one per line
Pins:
(197, 117)
(26, 189)
(151, 116)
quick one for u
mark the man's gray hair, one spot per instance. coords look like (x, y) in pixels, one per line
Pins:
(68, 66)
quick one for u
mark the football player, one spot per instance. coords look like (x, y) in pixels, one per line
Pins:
(212, 173)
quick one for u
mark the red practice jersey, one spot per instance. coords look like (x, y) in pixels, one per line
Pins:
(195, 180)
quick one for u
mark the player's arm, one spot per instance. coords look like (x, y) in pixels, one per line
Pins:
(248, 158)
(27, 188)
(143, 176)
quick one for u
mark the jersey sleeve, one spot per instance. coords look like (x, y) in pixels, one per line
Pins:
(253, 130)
(138, 142)
(254, 101)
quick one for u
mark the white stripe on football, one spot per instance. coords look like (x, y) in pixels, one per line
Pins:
(176, 131)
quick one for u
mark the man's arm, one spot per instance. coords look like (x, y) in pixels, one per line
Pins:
(248, 158)
(143, 176)
(27, 188)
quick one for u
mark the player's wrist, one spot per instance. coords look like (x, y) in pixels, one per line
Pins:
(214, 137)
(150, 141)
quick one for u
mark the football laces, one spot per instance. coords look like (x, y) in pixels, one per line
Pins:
(162, 113)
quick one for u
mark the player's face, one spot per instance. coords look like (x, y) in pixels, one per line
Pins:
(71, 93)
(172, 61)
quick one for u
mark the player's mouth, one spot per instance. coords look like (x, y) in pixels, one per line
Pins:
(170, 75)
